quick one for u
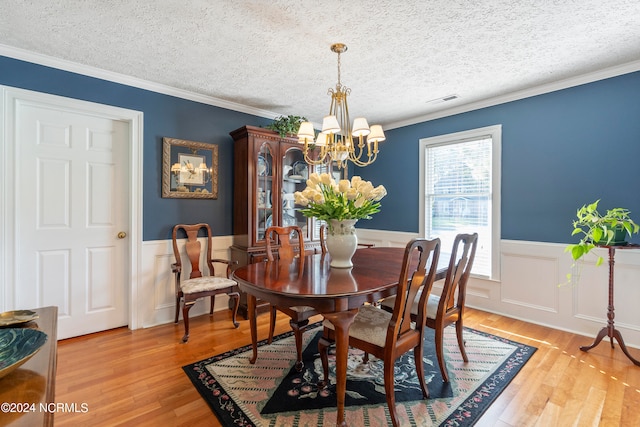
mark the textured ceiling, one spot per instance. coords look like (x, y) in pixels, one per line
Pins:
(274, 55)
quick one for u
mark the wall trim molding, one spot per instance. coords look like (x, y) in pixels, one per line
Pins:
(86, 70)
(529, 288)
(595, 76)
(74, 67)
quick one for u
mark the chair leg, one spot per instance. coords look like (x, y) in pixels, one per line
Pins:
(323, 350)
(418, 354)
(298, 329)
(440, 353)
(177, 309)
(272, 323)
(390, 392)
(463, 351)
(236, 303)
(213, 302)
(185, 318)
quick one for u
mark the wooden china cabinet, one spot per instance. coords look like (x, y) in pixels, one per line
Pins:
(268, 169)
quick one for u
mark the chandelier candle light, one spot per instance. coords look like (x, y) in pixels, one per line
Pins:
(341, 205)
(336, 140)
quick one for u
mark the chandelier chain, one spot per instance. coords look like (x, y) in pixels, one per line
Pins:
(339, 84)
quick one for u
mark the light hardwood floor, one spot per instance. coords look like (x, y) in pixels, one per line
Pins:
(135, 378)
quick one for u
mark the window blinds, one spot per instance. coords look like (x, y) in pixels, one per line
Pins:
(458, 195)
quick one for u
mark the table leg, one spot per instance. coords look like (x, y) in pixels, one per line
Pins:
(614, 334)
(253, 323)
(603, 333)
(618, 336)
(341, 322)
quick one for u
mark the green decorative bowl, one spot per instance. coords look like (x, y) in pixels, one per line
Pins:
(17, 346)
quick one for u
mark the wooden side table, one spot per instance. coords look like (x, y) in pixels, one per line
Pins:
(610, 330)
(34, 382)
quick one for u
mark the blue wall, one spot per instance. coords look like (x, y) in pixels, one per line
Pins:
(559, 151)
(164, 115)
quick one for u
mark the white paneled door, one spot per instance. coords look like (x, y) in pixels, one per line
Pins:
(72, 216)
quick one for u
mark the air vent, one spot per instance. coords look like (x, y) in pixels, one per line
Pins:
(443, 99)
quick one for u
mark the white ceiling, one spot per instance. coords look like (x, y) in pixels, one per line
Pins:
(274, 55)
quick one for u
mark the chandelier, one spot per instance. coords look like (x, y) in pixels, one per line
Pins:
(335, 143)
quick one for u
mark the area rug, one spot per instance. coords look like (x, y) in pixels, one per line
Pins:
(271, 393)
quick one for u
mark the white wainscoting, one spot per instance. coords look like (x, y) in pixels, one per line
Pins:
(157, 286)
(530, 289)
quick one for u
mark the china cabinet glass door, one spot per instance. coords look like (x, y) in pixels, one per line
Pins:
(264, 191)
(295, 172)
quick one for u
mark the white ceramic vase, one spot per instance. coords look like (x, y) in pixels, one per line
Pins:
(341, 242)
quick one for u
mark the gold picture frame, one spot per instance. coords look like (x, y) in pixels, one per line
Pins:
(189, 169)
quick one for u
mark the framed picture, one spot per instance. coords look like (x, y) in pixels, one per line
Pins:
(190, 172)
(189, 169)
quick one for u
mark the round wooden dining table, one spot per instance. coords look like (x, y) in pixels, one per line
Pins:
(334, 292)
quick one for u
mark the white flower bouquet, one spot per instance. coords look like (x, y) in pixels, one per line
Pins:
(348, 199)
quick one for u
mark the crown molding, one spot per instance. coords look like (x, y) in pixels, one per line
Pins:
(86, 70)
(525, 93)
(99, 73)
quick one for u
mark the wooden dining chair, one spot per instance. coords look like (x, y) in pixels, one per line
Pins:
(280, 244)
(199, 285)
(448, 307)
(388, 335)
(323, 240)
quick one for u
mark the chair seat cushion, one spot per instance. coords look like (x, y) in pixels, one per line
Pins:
(205, 283)
(370, 325)
(432, 304)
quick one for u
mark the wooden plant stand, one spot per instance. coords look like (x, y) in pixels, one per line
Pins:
(610, 330)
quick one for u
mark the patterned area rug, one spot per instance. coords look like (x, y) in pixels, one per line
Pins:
(272, 393)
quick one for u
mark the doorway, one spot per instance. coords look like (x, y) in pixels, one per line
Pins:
(72, 203)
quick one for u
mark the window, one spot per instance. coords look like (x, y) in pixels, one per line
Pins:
(460, 192)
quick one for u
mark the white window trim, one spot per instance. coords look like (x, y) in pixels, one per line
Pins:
(496, 179)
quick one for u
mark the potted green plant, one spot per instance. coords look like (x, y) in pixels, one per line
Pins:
(286, 125)
(612, 228)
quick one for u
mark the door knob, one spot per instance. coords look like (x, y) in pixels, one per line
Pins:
(122, 235)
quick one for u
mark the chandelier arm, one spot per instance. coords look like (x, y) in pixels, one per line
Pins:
(358, 162)
(357, 157)
(314, 162)
(320, 157)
